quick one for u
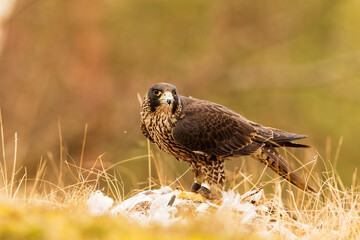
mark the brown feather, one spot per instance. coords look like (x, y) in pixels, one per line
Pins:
(214, 129)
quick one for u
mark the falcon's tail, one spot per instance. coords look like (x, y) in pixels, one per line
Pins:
(270, 157)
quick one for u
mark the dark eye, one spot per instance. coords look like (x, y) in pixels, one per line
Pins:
(174, 92)
(157, 92)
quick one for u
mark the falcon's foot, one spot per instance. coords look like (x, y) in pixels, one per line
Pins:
(191, 196)
(195, 187)
(203, 194)
(211, 193)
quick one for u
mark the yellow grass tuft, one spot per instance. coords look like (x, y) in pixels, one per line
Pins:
(44, 207)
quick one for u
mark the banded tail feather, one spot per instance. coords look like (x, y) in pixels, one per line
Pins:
(270, 157)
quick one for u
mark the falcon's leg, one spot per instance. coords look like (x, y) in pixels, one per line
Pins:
(196, 168)
(195, 186)
(214, 181)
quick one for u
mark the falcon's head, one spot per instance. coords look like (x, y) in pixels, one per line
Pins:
(163, 96)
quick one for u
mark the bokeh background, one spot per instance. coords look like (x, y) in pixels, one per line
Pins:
(290, 65)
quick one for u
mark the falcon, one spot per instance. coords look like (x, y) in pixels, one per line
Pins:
(205, 134)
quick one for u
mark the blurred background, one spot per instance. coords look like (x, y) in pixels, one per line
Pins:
(290, 65)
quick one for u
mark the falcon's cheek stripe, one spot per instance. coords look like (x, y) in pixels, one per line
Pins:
(175, 104)
(154, 104)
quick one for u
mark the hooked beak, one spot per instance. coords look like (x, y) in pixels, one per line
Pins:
(167, 97)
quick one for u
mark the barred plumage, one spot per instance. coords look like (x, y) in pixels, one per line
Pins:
(205, 134)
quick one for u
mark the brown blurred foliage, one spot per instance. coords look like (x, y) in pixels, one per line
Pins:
(291, 65)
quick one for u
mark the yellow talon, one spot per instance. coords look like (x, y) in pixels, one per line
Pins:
(179, 188)
(191, 196)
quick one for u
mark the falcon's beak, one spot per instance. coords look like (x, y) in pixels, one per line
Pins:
(167, 97)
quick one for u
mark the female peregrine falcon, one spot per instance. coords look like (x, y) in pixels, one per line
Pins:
(205, 134)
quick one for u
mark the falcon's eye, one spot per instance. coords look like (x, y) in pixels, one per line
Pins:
(157, 92)
(174, 92)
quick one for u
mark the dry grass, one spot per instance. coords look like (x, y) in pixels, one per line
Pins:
(45, 207)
